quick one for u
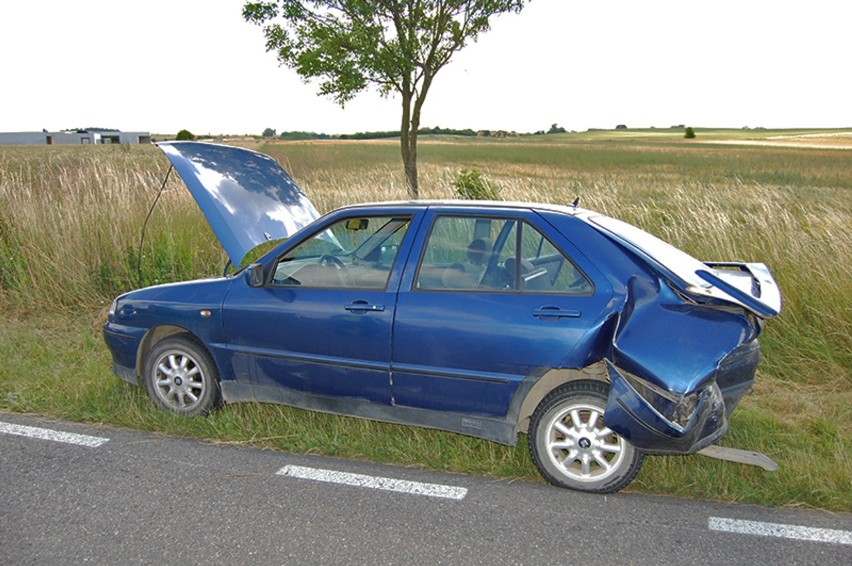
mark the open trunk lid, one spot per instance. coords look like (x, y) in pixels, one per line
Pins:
(749, 285)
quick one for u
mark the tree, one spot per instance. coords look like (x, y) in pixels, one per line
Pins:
(689, 133)
(184, 135)
(391, 45)
(269, 133)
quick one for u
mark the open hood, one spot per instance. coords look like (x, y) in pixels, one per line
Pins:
(246, 196)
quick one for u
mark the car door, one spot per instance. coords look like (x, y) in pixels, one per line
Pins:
(321, 324)
(492, 299)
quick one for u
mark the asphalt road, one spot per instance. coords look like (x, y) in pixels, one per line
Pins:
(134, 497)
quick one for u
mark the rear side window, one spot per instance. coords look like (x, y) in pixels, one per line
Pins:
(545, 268)
(495, 254)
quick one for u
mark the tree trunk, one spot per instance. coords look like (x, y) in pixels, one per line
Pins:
(408, 145)
(410, 166)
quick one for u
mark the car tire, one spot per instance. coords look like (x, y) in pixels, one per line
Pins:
(572, 448)
(180, 376)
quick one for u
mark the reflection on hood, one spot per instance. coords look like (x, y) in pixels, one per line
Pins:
(246, 196)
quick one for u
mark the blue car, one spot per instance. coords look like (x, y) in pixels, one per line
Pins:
(599, 341)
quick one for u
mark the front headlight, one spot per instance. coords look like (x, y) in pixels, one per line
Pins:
(677, 409)
(112, 308)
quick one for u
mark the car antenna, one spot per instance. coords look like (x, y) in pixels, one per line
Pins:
(145, 225)
(575, 202)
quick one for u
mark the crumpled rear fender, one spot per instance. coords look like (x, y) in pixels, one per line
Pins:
(665, 357)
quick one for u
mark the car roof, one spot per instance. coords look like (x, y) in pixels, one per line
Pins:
(456, 204)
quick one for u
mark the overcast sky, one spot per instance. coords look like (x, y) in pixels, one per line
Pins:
(164, 65)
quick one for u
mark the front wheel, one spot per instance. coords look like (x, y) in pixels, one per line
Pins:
(180, 377)
(572, 448)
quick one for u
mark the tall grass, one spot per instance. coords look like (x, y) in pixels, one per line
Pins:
(70, 221)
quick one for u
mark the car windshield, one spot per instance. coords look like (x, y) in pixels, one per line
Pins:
(259, 251)
(326, 243)
(674, 260)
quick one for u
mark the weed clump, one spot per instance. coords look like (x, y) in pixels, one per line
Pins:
(471, 184)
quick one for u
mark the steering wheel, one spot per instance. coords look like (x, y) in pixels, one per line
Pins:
(337, 276)
(331, 260)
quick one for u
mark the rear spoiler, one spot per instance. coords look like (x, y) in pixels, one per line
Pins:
(749, 285)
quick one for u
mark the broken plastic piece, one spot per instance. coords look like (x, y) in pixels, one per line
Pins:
(740, 456)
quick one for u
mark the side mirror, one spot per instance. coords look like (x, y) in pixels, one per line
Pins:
(254, 275)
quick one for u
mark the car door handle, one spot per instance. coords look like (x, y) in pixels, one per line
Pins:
(556, 312)
(363, 306)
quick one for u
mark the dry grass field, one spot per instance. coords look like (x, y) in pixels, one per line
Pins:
(70, 221)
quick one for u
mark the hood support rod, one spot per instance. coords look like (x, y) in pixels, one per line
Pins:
(145, 225)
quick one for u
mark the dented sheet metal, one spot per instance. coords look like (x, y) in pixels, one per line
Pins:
(667, 362)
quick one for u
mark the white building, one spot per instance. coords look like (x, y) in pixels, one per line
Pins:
(75, 137)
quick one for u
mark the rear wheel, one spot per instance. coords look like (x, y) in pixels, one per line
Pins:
(572, 447)
(180, 377)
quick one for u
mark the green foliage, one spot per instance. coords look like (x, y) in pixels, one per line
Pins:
(471, 184)
(12, 268)
(162, 261)
(269, 133)
(184, 135)
(689, 133)
(350, 45)
(556, 129)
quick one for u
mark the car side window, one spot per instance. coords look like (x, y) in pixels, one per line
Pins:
(495, 254)
(356, 252)
(543, 266)
(463, 253)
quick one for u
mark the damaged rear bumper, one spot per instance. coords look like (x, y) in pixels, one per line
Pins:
(632, 416)
(658, 425)
(677, 369)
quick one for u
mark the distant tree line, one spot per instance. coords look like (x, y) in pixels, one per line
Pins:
(395, 134)
(303, 136)
(298, 135)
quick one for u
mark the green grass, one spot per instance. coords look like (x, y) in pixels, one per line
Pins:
(69, 233)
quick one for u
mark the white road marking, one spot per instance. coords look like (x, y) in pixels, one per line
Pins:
(55, 435)
(373, 482)
(778, 530)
